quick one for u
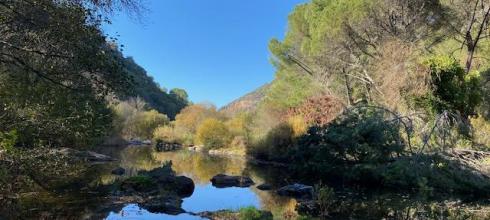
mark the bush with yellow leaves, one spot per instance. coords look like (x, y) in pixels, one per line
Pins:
(212, 133)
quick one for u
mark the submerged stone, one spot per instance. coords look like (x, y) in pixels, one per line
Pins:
(163, 204)
(223, 181)
(296, 190)
(264, 186)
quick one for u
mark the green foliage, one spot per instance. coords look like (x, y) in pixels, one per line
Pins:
(139, 183)
(8, 141)
(481, 132)
(145, 87)
(146, 122)
(312, 25)
(240, 125)
(53, 80)
(485, 85)
(276, 143)
(325, 198)
(134, 121)
(44, 114)
(453, 89)
(428, 173)
(213, 133)
(251, 213)
(360, 135)
(179, 94)
(289, 89)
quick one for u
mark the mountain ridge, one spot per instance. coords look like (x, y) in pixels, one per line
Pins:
(247, 102)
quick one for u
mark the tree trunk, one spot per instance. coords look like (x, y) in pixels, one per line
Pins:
(469, 59)
(348, 87)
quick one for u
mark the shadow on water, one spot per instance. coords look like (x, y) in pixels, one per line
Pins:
(348, 203)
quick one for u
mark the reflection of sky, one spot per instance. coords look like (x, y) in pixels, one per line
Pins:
(132, 211)
(200, 168)
(209, 198)
(204, 198)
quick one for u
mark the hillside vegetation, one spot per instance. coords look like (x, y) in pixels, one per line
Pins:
(377, 94)
(65, 88)
(368, 92)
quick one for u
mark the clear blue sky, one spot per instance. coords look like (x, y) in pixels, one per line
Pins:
(214, 49)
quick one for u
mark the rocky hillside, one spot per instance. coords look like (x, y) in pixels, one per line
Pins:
(247, 102)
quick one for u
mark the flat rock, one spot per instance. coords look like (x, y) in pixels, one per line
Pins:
(223, 181)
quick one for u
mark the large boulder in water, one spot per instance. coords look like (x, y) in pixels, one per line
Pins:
(223, 181)
(163, 204)
(297, 191)
(166, 179)
(184, 186)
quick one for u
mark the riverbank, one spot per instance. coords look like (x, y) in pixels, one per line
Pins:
(139, 187)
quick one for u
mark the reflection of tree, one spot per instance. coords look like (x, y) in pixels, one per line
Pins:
(48, 206)
(350, 205)
(200, 167)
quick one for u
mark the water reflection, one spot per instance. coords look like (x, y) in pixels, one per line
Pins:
(349, 203)
(201, 168)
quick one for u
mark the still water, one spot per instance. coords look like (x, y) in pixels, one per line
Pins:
(349, 202)
(201, 168)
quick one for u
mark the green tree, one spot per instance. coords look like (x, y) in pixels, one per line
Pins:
(55, 70)
(179, 94)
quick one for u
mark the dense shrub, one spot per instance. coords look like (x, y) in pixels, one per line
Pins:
(252, 213)
(191, 116)
(188, 120)
(213, 133)
(146, 122)
(240, 125)
(8, 141)
(298, 124)
(275, 144)
(428, 173)
(361, 135)
(452, 88)
(166, 134)
(133, 120)
(481, 132)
